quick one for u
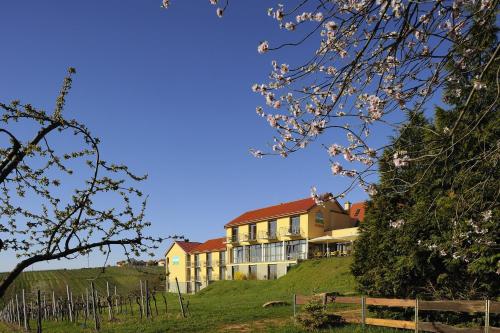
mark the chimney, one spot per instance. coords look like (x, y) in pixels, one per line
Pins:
(347, 206)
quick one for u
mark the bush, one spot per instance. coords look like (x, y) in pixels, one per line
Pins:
(313, 316)
(240, 276)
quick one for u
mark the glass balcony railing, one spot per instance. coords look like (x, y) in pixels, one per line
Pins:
(291, 232)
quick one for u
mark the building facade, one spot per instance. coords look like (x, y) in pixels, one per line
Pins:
(264, 243)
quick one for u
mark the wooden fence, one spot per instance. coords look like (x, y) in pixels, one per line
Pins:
(485, 306)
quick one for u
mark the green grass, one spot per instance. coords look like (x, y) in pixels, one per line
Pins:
(236, 306)
(126, 280)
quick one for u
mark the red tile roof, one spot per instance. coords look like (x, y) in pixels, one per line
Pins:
(187, 246)
(281, 210)
(211, 245)
(357, 211)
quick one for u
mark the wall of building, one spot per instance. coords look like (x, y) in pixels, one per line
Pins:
(176, 267)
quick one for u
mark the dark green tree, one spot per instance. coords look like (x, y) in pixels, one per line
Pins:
(432, 228)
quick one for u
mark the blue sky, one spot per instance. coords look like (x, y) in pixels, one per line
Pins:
(168, 93)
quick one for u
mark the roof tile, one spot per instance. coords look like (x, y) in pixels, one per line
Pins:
(211, 245)
(281, 210)
(187, 246)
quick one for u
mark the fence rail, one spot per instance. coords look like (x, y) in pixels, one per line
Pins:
(471, 306)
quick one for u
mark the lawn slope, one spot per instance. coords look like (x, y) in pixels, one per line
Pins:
(236, 306)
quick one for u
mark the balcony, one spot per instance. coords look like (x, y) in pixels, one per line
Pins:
(266, 235)
(234, 239)
(292, 232)
(248, 238)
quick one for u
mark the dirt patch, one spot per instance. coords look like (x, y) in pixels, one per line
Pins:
(254, 326)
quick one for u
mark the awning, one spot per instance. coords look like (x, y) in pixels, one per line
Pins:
(324, 240)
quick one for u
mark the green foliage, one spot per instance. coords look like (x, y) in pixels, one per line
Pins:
(239, 276)
(432, 228)
(313, 316)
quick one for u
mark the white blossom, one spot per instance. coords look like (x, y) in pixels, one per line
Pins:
(263, 47)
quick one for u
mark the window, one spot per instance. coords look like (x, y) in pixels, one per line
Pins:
(234, 269)
(272, 272)
(209, 274)
(295, 249)
(197, 260)
(234, 234)
(255, 253)
(271, 229)
(357, 212)
(238, 255)
(273, 251)
(252, 272)
(319, 218)
(252, 228)
(222, 273)
(295, 225)
(209, 259)
(222, 258)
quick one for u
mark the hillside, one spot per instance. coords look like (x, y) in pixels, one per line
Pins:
(232, 306)
(126, 280)
(309, 277)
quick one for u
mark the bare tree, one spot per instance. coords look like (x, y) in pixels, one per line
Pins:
(60, 202)
(368, 65)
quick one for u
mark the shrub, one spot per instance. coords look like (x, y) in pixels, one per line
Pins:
(240, 276)
(313, 316)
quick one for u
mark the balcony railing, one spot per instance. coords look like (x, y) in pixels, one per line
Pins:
(232, 239)
(265, 235)
(248, 237)
(291, 232)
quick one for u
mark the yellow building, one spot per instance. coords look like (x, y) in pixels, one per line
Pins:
(178, 265)
(208, 263)
(264, 243)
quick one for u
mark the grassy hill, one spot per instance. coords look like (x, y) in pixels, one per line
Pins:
(236, 306)
(126, 280)
(309, 277)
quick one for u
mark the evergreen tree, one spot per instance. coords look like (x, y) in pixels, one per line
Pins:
(432, 229)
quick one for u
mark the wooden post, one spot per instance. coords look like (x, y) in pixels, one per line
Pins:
(142, 299)
(146, 287)
(25, 317)
(54, 312)
(69, 304)
(363, 311)
(94, 304)
(39, 321)
(416, 314)
(17, 311)
(44, 307)
(86, 304)
(110, 312)
(180, 298)
(116, 301)
(487, 317)
(294, 304)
